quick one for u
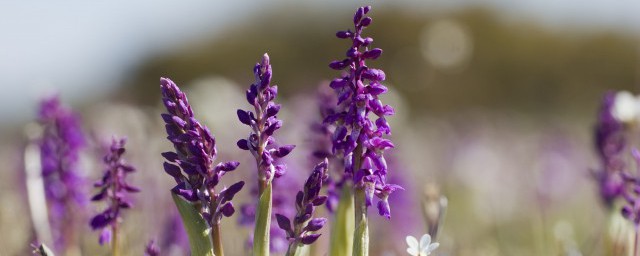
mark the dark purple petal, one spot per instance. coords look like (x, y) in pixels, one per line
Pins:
(243, 144)
(283, 151)
(244, 117)
(284, 223)
(343, 34)
(227, 209)
(372, 54)
(338, 65)
(310, 238)
(316, 224)
(172, 170)
(383, 209)
(230, 192)
(227, 166)
(101, 220)
(374, 74)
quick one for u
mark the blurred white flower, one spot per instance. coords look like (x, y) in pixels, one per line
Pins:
(626, 107)
(424, 248)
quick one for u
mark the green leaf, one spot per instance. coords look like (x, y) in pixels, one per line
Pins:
(263, 224)
(197, 228)
(343, 224)
(43, 250)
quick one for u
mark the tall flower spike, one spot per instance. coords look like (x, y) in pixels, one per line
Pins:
(261, 143)
(112, 188)
(192, 164)
(60, 146)
(610, 142)
(359, 139)
(302, 232)
(263, 122)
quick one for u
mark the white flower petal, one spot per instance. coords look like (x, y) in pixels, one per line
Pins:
(425, 240)
(433, 247)
(412, 251)
(412, 242)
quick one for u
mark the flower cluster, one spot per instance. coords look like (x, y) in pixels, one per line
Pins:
(113, 189)
(60, 146)
(306, 201)
(192, 163)
(263, 122)
(610, 142)
(357, 137)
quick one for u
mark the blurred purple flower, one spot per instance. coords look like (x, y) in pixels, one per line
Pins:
(113, 189)
(60, 146)
(359, 139)
(174, 234)
(151, 249)
(321, 142)
(631, 210)
(192, 163)
(610, 142)
(304, 227)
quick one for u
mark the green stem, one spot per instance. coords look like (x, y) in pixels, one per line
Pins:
(343, 225)
(294, 249)
(216, 240)
(361, 234)
(114, 240)
(263, 223)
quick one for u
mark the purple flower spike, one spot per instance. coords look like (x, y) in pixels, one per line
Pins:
(357, 138)
(263, 122)
(192, 165)
(299, 231)
(112, 189)
(610, 142)
(631, 210)
(60, 146)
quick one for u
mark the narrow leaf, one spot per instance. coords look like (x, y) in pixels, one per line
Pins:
(196, 227)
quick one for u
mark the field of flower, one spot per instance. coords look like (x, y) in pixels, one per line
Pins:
(384, 131)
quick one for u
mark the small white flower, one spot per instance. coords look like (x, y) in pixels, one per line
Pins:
(424, 248)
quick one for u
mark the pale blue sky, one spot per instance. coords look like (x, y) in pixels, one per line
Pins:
(81, 48)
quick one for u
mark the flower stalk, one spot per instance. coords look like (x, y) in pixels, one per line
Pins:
(113, 188)
(263, 122)
(357, 138)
